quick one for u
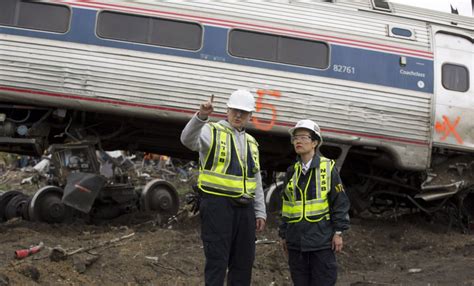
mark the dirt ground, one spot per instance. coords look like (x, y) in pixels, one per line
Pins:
(134, 250)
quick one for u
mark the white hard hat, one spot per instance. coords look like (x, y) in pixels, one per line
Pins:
(310, 125)
(241, 99)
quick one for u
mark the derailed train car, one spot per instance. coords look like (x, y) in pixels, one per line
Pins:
(390, 85)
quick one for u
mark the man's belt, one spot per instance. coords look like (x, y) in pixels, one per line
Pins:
(242, 201)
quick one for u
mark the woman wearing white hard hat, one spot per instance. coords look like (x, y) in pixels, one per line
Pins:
(232, 202)
(314, 212)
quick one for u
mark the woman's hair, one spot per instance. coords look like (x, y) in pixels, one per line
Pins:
(314, 136)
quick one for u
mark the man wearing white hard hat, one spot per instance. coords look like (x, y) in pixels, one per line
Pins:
(232, 205)
(314, 212)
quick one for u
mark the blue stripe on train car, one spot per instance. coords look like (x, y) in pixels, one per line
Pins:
(346, 63)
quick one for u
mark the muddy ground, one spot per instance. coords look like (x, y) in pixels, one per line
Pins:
(135, 250)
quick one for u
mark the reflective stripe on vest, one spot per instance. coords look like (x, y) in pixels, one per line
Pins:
(223, 172)
(311, 203)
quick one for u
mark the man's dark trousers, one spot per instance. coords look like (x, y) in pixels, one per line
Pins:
(228, 235)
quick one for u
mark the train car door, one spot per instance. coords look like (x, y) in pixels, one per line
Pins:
(454, 110)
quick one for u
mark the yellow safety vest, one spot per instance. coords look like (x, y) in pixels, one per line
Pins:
(223, 172)
(311, 203)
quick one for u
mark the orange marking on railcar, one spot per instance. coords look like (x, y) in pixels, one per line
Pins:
(260, 105)
(448, 128)
(440, 127)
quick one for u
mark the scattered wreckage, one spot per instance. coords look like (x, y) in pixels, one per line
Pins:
(84, 182)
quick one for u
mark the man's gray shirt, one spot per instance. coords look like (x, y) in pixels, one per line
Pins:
(197, 137)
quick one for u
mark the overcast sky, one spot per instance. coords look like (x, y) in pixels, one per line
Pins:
(464, 6)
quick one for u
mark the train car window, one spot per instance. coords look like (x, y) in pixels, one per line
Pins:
(303, 52)
(267, 47)
(124, 27)
(35, 15)
(381, 5)
(148, 30)
(253, 45)
(176, 34)
(402, 32)
(7, 11)
(399, 32)
(455, 77)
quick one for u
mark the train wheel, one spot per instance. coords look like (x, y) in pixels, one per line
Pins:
(15, 206)
(160, 196)
(24, 209)
(5, 198)
(46, 206)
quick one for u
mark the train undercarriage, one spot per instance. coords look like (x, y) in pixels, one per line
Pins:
(75, 186)
(73, 145)
(446, 188)
(371, 180)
